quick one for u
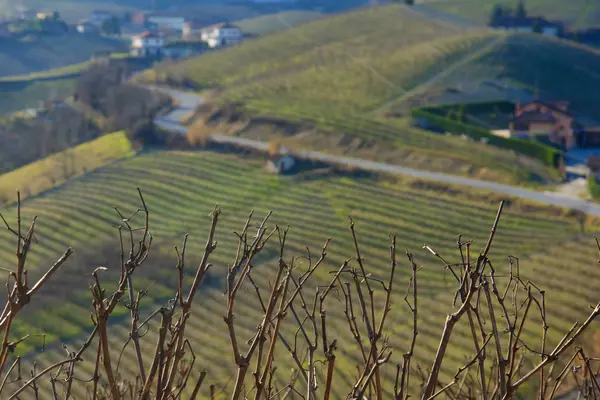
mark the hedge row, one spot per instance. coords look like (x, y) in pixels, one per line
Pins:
(547, 154)
(474, 107)
(593, 186)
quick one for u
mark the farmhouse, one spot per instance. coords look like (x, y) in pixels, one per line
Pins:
(191, 29)
(86, 26)
(223, 34)
(551, 119)
(529, 25)
(147, 44)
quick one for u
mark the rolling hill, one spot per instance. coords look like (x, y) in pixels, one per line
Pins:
(576, 13)
(340, 72)
(524, 66)
(181, 189)
(34, 54)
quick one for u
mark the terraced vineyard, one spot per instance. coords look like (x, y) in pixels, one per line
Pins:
(181, 189)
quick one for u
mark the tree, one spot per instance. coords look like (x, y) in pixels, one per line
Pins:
(111, 26)
(409, 2)
(521, 12)
(497, 13)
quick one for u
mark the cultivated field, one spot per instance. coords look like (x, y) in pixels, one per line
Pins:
(272, 23)
(181, 189)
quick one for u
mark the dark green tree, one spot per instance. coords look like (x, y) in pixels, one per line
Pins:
(409, 2)
(111, 26)
(521, 11)
(497, 13)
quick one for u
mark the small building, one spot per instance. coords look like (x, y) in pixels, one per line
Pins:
(192, 29)
(97, 17)
(48, 15)
(167, 23)
(550, 119)
(529, 25)
(220, 35)
(139, 18)
(147, 44)
(281, 163)
(86, 27)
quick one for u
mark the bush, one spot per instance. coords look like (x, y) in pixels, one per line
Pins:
(144, 134)
(545, 153)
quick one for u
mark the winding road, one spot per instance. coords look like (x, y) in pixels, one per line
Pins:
(187, 102)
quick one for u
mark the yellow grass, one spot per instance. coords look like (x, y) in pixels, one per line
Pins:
(56, 169)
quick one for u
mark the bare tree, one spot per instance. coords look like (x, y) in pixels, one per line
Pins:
(293, 324)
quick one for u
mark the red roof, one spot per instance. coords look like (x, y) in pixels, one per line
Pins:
(147, 34)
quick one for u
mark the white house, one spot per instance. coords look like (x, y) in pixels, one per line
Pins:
(224, 34)
(167, 23)
(147, 44)
(529, 25)
(86, 26)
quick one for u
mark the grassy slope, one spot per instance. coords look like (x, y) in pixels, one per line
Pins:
(182, 187)
(45, 174)
(537, 63)
(276, 22)
(24, 57)
(336, 71)
(577, 13)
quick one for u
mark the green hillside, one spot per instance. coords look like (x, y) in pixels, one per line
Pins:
(181, 189)
(333, 73)
(34, 54)
(576, 13)
(276, 22)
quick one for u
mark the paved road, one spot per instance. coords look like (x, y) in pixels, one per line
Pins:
(188, 101)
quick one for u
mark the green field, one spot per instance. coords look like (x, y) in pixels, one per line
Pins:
(272, 23)
(182, 187)
(337, 73)
(576, 13)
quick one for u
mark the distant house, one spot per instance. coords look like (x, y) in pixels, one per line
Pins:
(86, 27)
(167, 23)
(97, 17)
(281, 163)
(147, 44)
(219, 35)
(48, 15)
(139, 18)
(192, 29)
(529, 25)
(551, 119)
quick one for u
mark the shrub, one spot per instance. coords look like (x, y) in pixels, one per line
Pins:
(144, 134)
(593, 186)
